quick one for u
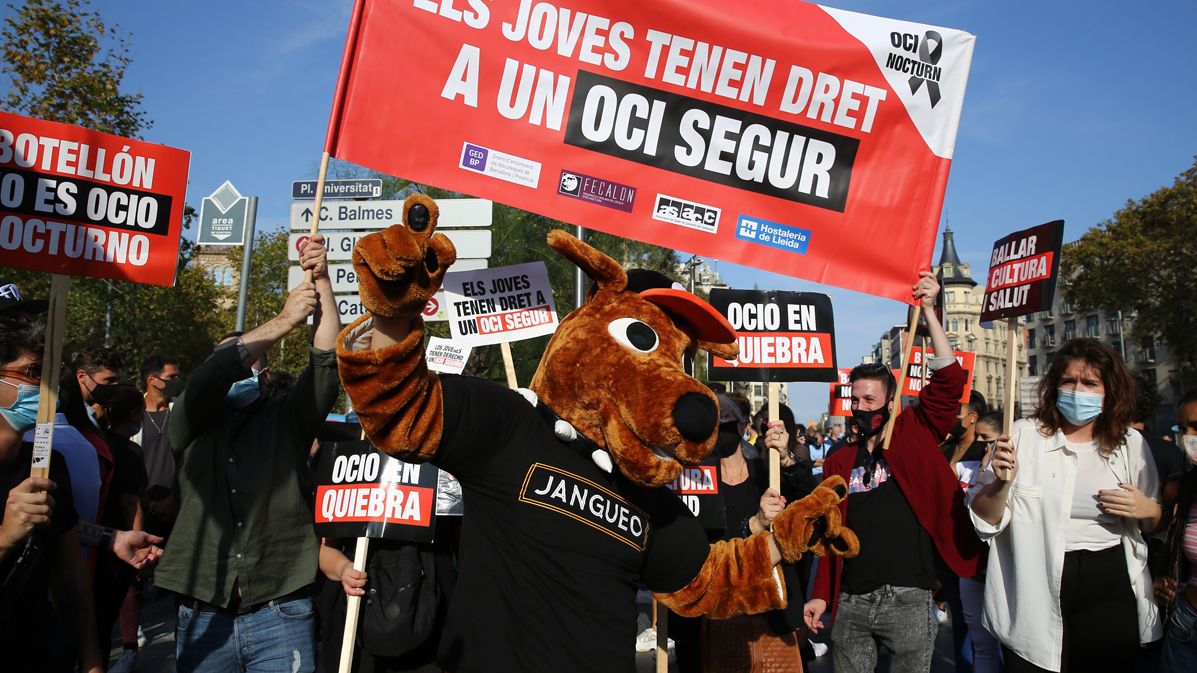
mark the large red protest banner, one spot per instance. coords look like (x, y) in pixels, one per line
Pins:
(83, 203)
(781, 135)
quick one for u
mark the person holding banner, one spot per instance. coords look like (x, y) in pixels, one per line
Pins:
(1066, 523)
(40, 555)
(243, 554)
(907, 509)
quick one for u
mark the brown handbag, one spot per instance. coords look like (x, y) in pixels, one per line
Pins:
(748, 644)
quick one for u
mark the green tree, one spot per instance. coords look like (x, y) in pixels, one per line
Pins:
(1144, 259)
(60, 68)
(64, 64)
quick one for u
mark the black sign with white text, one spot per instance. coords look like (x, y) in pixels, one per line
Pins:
(1023, 270)
(783, 336)
(362, 492)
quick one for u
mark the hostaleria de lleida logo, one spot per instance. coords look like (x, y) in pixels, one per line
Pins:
(924, 69)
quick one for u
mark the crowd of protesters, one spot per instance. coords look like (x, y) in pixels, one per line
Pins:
(1064, 542)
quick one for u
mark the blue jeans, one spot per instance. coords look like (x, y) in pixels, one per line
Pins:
(278, 638)
(901, 618)
(1180, 639)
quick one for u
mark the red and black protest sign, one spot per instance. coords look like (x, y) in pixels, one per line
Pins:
(914, 372)
(698, 487)
(83, 203)
(696, 126)
(840, 403)
(362, 492)
(1023, 270)
(783, 336)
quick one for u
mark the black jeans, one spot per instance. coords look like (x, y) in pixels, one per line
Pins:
(1101, 622)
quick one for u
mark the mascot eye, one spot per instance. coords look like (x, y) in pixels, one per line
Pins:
(634, 334)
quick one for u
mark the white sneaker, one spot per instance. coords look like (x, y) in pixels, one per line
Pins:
(819, 648)
(125, 663)
(647, 640)
(142, 639)
(941, 616)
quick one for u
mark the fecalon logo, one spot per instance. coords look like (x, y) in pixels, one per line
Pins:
(597, 191)
(686, 213)
(923, 70)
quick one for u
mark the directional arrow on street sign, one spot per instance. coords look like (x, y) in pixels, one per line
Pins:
(344, 277)
(470, 243)
(469, 213)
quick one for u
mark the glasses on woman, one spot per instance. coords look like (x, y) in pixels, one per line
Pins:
(28, 374)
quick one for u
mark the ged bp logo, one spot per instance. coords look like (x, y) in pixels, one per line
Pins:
(600, 192)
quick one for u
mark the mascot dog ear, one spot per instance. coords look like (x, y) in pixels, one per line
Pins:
(603, 270)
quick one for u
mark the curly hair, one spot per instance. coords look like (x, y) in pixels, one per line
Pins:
(1118, 404)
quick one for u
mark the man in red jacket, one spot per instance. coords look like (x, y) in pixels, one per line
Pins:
(905, 507)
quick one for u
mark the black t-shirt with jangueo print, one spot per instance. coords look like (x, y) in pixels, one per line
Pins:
(552, 547)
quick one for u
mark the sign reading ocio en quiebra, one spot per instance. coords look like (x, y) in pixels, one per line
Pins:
(783, 336)
(362, 492)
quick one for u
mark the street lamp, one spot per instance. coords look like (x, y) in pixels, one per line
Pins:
(691, 266)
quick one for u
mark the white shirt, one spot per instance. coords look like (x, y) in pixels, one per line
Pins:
(1026, 558)
(1089, 528)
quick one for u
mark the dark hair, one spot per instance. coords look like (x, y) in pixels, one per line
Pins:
(19, 336)
(976, 403)
(741, 401)
(1117, 406)
(154, 364)
(277, 384)
(92, 360)
(994, 418)
(875, 371)
(1188, 398)
(122, 402)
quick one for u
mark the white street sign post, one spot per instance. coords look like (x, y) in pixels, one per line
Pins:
(455, 213)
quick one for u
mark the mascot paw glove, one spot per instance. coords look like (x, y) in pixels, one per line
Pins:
(401, 267)
(814, 524)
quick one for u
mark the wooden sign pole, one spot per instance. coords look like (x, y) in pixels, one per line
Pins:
(353, 606)
(509, 365)
(1011, 380)
(774, 415)
(896, 408)
(47, 404)
(317, 205)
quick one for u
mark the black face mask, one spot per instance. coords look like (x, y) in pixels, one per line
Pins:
(958, 430)
(871, 422)
(728, 440)
(101, 393)
(171, 387)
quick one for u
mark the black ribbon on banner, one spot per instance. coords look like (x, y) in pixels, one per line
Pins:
(930, 57)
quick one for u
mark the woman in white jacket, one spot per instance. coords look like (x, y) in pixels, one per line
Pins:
(1068, 587)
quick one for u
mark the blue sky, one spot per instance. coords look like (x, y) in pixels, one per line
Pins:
(1072, 108)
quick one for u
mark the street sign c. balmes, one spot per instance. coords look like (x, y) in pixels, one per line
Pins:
(344, 215)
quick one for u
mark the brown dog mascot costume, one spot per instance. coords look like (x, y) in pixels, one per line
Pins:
(555, 541)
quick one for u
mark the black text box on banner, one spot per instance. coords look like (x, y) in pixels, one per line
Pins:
(362, 492)
(1023, 270)
(783, 336)
(698, 487)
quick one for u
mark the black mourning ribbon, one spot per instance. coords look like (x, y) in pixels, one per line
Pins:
(930, 57)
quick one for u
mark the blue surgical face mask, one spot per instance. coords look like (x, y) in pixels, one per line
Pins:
(1078, 408)
(243, 393)
(22, 414)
